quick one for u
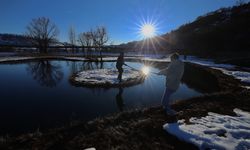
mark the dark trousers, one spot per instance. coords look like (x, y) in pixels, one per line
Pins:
(165, 101)
(120, 70)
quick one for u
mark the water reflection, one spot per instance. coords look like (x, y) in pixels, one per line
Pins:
(46, 73)
(80, 66)
(119, 99)
(25, 105)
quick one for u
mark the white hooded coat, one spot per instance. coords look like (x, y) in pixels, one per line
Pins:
(173, 73)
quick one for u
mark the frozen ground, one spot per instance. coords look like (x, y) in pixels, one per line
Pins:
(106, 76)
(215, 131)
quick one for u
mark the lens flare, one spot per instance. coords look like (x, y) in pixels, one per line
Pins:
(145, 70)
(148, 30)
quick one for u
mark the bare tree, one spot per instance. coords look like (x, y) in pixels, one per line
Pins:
(72, 37)
(85, 39)
(42, 32)
(100, 37)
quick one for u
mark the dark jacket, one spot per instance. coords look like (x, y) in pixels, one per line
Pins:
(119, 62)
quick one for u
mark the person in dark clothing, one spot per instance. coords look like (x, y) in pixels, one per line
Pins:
(119, 64)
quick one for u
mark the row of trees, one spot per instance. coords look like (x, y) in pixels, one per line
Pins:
(44, 32)
(93, 38)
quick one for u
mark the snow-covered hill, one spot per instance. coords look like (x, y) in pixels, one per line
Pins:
(13, 39)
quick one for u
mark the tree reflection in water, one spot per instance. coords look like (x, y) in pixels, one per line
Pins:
(77, 66)
(46, 73)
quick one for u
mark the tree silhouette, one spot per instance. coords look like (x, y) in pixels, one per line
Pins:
(42, 32)
(100, 37)
(85, 39)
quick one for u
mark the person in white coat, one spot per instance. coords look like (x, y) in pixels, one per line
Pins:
(173, 73)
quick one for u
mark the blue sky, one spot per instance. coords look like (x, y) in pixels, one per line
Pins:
(120, 17)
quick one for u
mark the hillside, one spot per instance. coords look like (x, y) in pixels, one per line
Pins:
(13, 39)
(224, 30)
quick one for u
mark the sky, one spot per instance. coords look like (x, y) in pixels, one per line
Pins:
(122, 18)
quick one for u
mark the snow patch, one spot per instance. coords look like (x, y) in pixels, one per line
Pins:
(156, 59)
(107, 77)
(241, 75)
(5, 59)
(92, 148)
(228, 69)
(209, 63)
(215, 131)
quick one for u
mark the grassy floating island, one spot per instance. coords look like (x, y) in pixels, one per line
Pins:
(107, 78)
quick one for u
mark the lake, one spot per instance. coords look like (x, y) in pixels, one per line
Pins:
(38, 94)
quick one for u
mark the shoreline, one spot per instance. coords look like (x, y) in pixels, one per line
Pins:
(141, 128)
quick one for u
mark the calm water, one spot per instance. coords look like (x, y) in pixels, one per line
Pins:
(39, 95)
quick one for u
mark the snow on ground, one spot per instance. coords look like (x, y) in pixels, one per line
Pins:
(92, 148)
(208, 62)
(5, 59)
(106, 76)
(215, 131)
(241, 75)
(228, 69)
(156, 59)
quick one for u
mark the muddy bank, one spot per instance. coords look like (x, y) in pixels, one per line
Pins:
(142, 129)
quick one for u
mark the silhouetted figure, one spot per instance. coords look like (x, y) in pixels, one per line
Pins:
(119, 64)
(119, 99)
(173, 73)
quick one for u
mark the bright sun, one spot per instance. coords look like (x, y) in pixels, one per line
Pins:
(147, 30)
(145, 70)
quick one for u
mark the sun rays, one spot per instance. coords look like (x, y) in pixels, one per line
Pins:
(145, 70)
(148, 31)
